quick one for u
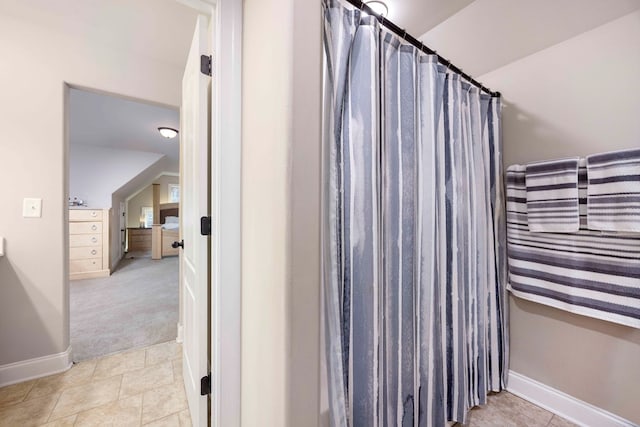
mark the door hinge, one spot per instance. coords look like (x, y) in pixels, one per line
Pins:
(205, 64)
(205, 385)
(205, 226)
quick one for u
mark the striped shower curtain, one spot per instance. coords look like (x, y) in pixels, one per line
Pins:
(413, 232)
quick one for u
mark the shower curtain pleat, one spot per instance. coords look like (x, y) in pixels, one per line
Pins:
(430, 370)
(413, 239)
(360, 154)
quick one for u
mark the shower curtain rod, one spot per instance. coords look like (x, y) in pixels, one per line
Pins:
(418, 44)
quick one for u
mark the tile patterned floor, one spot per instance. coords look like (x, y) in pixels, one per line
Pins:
(144, 387)
(506, 410)
(134, 388)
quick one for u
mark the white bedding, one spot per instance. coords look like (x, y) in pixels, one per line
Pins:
(171, 226)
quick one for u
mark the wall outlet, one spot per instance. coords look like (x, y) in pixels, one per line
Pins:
(32, 208)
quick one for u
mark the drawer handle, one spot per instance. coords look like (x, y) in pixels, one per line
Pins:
(94, 213)
(93, 252)
(94, 239)
(94, 227)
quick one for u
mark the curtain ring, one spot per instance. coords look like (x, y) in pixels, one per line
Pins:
(404, 35)
(471, 85)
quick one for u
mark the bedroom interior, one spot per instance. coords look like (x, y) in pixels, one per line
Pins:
(122, 222)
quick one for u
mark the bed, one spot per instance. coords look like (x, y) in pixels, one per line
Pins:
(165, 233)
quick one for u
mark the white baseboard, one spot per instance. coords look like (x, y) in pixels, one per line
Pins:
(35, 368)
(568, 407)
(180, 332)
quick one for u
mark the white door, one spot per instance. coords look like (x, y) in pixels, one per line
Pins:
(194, 257)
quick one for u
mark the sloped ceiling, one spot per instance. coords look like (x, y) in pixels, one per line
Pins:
(419, 16)
(488, 34)
(113, 122)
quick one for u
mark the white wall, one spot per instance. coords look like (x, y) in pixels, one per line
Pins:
(164, 182)
(281, 208)
(37, 61)
(266, 141)
(304, 299)
(578, 97)
(135, 205)
(95, 173)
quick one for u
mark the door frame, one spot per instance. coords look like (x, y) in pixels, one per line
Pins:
(225, 295)
(226, 160)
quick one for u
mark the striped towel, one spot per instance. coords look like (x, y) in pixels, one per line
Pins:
(552, 196)
(613, 199)
(590, 273)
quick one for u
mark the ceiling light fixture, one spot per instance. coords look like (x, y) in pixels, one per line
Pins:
(378, 7)
(168, 133)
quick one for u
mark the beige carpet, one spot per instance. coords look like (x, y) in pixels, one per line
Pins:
(136, 306)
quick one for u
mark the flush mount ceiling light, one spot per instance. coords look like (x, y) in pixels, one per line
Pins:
(378, 7)
(168, 132)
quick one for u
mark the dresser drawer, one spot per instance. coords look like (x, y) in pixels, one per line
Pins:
(85, 228)
(85, 214)
(85, 252)
(85, 265)
(79, 240)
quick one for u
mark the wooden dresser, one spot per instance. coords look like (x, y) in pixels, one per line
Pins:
(88, 243)
(139, 239)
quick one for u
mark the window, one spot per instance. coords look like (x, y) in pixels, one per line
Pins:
(146, 217)
(174, 193)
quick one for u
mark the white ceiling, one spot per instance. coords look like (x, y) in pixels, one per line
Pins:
(419, 16)
(489, 34)
(113, 122)
(160, 29)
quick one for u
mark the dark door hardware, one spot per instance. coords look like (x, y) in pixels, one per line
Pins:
(205, 225)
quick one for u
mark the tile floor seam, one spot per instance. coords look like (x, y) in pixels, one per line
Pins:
(93, 371)
(53, 408)
(141, 408)
(24, 399)
(159, 419)
(120, 388)
(173, 372)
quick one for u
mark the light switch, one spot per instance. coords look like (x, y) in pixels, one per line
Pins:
(32, 208)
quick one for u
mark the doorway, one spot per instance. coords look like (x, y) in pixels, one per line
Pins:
(226, 35)
(123, 176)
